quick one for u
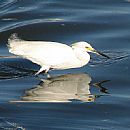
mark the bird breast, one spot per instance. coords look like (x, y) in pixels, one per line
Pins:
(82, 56)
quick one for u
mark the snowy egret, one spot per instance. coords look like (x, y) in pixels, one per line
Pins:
(52, 55)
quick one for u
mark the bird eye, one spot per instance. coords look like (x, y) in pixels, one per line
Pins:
(86, 47)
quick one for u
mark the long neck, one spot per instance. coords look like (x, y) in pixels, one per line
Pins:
(83, 56)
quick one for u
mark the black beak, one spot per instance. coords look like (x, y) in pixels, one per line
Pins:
(102, 54)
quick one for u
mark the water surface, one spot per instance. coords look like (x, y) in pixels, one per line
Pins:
(95, 97)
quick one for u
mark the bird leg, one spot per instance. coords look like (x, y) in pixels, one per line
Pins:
(42, 69)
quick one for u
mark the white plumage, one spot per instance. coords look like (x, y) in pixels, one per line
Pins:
(51, 55)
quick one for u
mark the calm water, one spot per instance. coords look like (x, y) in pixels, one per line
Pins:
(95, 97)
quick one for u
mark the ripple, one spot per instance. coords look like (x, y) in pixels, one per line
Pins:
(7, 125)
(115, 57)
(12, 67)
(105, 23)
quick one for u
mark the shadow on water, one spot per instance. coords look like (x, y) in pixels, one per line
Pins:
(64, 88)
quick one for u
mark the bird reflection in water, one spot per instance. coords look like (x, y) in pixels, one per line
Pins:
(64, 88)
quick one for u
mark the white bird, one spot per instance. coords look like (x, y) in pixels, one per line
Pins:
(52, 55)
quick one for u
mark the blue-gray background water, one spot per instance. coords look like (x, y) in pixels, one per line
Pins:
(103, 23)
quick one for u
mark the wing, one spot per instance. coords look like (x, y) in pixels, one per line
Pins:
(48, 53)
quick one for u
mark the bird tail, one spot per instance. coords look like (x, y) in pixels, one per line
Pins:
(13, 43)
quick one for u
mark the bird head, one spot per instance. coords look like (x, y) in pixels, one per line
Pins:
(84, 46)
